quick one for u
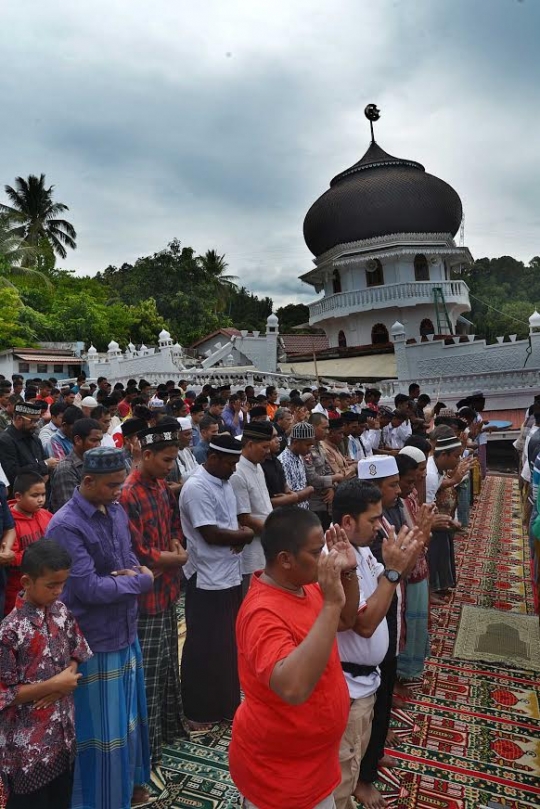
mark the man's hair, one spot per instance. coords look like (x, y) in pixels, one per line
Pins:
(101, 379)
(216, 400)
(354, 497)
(286, 529)
(280, 413)
(98, 412)
(206, 422)
(197, 408)
(257, 412)
(424, 399)
(405, 464)
(234, 397)
(30, 393)
(72, 414)
(420, 443)
(270, 389)
(413, 386)
(400, 398)
(45, 554)
(24, 482)
(317, 418)
(83, 427)
(45, 383)
(58, 408)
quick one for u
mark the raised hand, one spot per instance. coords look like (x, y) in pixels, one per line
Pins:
(424, 520)
(329, 578)
(401, 552)
(337, 539)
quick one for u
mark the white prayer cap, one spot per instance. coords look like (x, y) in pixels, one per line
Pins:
(185, 423)
(414, 453)
(376, 467)
(89, 401)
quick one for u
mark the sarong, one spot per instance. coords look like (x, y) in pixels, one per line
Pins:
(158, 636)
(411, 660)
(210, 683)
(441, 561)
(113, 754)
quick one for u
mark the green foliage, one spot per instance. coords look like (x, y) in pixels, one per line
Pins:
(504, 293)
(13, 330)
(292, 315)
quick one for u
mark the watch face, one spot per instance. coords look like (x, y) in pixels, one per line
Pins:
(392, 575)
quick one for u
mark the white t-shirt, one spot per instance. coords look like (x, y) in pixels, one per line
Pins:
(482, 436)
(108, 441)
(395, 437)
(249, 485)
(364, 651)
(433, 480)
(207, 500)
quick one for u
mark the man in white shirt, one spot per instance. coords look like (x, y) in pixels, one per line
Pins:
(253, 503)
(210, 684)
(397, 432)
(325, 401)
(357, 508)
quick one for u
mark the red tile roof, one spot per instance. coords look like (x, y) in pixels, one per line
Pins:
(225, 332)
(304, 343)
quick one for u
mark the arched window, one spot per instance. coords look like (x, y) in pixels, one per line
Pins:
(342, 340)
(421, 268)
(336, 282)
(426, 327)
(379, 334)
(374, 273)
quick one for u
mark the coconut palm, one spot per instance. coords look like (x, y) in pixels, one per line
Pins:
(214, 267)
(33, 215)
(16, 257)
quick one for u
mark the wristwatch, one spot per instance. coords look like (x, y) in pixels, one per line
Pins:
(393, 576)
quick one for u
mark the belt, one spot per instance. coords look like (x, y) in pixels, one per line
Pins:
(358, 671)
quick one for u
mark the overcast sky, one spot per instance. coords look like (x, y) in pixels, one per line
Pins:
(220, 122)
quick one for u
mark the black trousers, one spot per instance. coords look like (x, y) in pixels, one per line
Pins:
(381, 721)
(54, 795)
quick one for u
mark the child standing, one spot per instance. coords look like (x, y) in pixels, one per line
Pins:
(40, 649)
(7, 538)
(31, 521)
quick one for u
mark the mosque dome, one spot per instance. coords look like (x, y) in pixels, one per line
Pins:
(92, 351)
(534, 320)
(113, 346)
(397, 328)
(378, 196)
(272, 320)
(164, 335)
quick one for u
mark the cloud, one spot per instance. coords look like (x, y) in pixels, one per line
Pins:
(221, 123)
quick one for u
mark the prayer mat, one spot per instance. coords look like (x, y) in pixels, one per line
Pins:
(498, 637)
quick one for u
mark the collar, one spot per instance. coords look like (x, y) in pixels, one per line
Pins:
(211, 478)
(36, 615)
(137, 477)
(249, 464)
(89, 509)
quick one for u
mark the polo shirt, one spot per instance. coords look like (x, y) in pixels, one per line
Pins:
(207, 500)
(249, 485)
(364, 651)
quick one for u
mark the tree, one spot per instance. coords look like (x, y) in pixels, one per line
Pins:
(33, 215)
(15, 255)
(13, 331)
(292, 315)
(214, 267)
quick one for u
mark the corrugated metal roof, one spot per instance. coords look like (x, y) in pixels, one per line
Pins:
(54, 358)
(304, 343)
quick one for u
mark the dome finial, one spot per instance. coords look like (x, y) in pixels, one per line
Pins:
(372, 113)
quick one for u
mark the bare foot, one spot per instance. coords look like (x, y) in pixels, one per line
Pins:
(438, 600)
(199, 725)
(140, 795)
(388, 762)
(402, 690)
(369, 796)
(392, 739)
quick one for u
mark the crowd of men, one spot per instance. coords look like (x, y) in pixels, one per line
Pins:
(311, 534)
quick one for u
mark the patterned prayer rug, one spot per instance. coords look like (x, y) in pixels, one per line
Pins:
(495, 636)
(470, 736)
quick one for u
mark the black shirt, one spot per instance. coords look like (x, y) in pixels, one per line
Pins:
(274, 475)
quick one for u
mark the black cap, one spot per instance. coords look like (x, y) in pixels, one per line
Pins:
(226, 444)
(258, 431)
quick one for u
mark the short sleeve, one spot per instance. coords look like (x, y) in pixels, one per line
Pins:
(266, 639)
(241, 493)
(200, 507)
(79, 650)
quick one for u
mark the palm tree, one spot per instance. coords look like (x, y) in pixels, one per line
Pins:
(214, 267)
(33, 215)
(16, 256)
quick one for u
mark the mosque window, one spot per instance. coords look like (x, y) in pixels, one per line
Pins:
(379, 334)
(421, 268)
(336, 282)
(342, 340)
(426, 327)
(42, 368)
(24, 368)
(374, 273)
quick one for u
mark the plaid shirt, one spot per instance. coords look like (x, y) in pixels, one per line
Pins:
(154, 520)
(36, 644)
(295, 472)
(67, 476)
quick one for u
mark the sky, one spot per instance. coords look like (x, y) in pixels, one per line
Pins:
(221, 122)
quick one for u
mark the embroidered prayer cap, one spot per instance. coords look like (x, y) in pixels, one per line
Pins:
(258, 431)
(349, 416)
(225, 443)
(185, 423)
(89, 401)
(163, 433)
(414, 453)
(302, 431)
(377, 467)
(132, 426)
(103, 461)
(157, 405)
(27, 409)
(306, 397)
(335, 424)
(447, 444)
(383, 411)
(447, 413)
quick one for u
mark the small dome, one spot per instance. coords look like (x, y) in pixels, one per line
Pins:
(272, 320)
(131, 347)
(164, 335)
(378, 196)
(397, 328)
(177, 346)
(113, 346)
(534, 320)
(143, 347)
(92, 351)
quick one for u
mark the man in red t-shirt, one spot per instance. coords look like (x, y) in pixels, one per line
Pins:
(286, 733)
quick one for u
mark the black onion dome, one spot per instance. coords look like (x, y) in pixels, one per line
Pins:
(378, 196)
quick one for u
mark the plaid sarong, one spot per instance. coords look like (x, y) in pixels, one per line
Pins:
(158, 636)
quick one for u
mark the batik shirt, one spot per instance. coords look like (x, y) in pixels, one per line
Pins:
(295, 472)
(36, 746)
